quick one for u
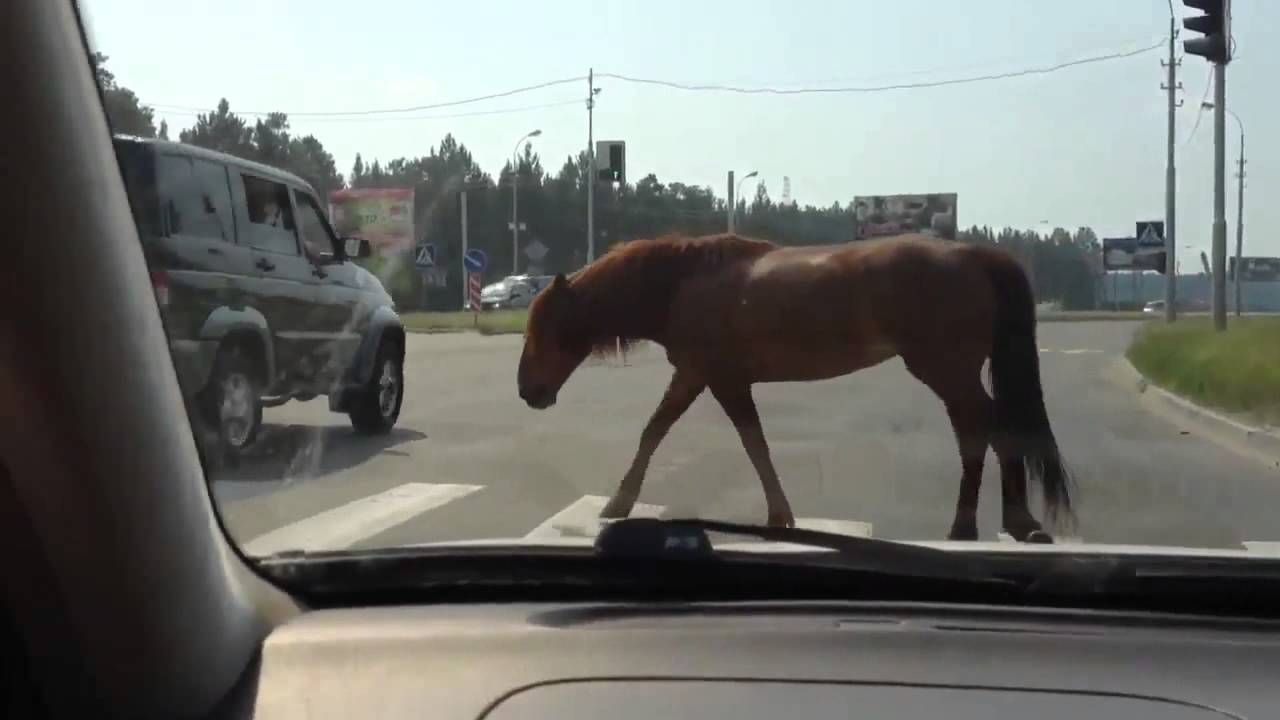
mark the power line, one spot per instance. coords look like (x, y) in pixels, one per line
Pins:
(882, 88)
(389, 111)
(393, 112)
(444, 116)
(1208, 83)
(950, 69)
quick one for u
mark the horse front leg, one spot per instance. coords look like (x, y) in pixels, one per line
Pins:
(741, 409)
(685, 387)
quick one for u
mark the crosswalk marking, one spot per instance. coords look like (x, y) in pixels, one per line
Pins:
(582, 518)
(1263, 547)
(345, 525)
(1005, 537)
(855, 528)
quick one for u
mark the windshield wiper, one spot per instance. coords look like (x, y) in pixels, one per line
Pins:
(644, 558)
(679, 539)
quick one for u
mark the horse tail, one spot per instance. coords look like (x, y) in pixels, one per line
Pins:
(1021, 421)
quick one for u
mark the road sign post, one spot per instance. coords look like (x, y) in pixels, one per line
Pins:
(473, 286)
(473, 263)
(462, 212)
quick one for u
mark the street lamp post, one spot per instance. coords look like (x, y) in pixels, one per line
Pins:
(1236, 280)
(515, 219)
(733, 198)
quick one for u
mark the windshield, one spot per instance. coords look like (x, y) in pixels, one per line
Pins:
(917, 271)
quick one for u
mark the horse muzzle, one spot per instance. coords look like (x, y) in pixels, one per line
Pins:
(538, 397)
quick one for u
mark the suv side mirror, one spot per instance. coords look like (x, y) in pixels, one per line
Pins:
(355, 247)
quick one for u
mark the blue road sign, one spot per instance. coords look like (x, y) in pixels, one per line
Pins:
(474, 261)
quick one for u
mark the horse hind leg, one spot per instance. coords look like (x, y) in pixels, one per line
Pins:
(1015, 514)
(969, 408)
(741, 408)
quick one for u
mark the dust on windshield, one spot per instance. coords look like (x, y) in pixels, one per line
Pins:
(914, 272)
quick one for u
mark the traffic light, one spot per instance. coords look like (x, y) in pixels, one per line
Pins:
(611, 161)
(1213, 25)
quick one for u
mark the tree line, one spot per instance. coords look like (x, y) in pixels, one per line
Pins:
(1063, 265)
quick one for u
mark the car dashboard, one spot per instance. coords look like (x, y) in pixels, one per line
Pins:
(761, 660)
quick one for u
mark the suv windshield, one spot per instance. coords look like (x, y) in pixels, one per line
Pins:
(955, 274)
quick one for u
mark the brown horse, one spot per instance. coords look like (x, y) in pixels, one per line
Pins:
(732, 311)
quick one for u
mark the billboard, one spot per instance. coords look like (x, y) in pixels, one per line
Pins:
(1256, 269)
(882, 215)
(1129, 254)
(383, 216)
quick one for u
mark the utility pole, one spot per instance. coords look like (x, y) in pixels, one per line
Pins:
(1170, 184)
(591, 167)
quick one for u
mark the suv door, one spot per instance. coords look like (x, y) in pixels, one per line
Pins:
(286, 289)
(345, 317)
(196, 265)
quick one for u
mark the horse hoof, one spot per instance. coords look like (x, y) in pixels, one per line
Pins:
(1039, 537)
(781, 520)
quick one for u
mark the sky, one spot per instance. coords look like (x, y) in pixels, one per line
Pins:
(1084, 145)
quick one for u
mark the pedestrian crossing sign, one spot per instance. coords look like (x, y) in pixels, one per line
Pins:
(426, 257)
(1150, 234)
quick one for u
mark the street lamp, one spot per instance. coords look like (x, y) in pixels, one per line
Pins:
(515, 184)
(733, 201)
(1239, 206)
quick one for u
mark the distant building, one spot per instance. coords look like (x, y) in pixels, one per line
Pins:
(1126, 287)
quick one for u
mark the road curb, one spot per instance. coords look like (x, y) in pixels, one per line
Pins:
(1260, 441)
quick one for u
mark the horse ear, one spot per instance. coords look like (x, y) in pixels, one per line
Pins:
(559, 282)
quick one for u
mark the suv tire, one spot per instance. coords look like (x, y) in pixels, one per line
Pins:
(375, 406)
(233, 402)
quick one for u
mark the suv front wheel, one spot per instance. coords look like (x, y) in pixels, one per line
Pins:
(375, 406)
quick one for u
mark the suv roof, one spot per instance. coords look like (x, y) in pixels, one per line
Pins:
(221, 157)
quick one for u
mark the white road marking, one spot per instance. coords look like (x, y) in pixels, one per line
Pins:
(1081, 351)
(1263, 547)
(582, 518)
(345, 525)
(1005, 537)
(855, 528)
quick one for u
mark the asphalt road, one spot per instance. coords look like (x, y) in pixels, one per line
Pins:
(869, 452)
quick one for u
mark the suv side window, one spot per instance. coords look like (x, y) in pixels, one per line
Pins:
(271, 226)
(185, 207)
(315, 232)
(216, 188)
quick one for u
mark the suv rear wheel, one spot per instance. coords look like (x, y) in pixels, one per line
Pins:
(375, 407)
(233, 401)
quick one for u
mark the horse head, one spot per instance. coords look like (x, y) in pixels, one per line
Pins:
(554, 345)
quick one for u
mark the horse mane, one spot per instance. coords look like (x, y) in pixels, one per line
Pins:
(625, 295)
